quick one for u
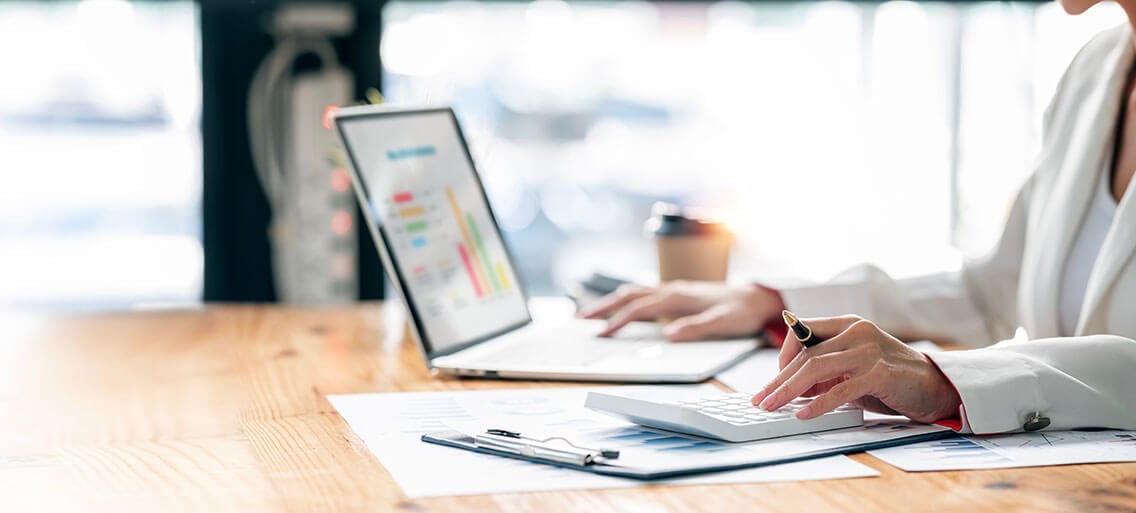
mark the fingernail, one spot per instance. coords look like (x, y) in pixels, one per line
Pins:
(765, 404)
(804, 413)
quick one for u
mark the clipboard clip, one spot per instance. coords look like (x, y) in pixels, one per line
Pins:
(515, 443)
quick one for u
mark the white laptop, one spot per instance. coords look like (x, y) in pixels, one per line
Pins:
(442, 249)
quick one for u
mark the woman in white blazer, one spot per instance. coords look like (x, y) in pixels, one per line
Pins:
(1064, 269)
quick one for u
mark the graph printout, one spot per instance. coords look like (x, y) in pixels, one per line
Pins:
(1035, 449)
(392, 424)
(426, 196)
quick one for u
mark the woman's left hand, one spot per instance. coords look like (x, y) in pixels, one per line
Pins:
(859, 363)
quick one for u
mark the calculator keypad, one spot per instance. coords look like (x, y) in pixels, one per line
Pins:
(737, 409)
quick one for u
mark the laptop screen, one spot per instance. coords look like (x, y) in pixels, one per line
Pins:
(421, 189)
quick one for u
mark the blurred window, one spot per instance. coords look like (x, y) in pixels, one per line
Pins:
(583, 114)
(100, 150)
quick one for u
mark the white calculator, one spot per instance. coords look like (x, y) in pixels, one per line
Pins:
(729, 417)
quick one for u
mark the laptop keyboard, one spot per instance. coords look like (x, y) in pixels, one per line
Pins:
(580, 352)
(576, 344)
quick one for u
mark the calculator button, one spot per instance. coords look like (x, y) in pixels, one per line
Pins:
(728, 417)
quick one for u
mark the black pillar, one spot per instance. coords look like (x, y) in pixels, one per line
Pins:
(236, 215)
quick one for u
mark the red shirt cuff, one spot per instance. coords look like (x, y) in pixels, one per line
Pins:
(775, 330)
(955, 422)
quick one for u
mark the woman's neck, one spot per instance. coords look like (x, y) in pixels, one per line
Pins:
(1130, 12)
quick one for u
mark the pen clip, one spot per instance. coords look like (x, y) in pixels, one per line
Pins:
(534, 450)
(605, 453)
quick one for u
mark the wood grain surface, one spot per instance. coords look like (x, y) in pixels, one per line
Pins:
(224, 409)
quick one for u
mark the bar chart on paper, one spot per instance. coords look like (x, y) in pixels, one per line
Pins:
(1013, 450)
(391, 426)
(952, 453)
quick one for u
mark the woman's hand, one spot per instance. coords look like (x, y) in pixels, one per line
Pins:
(699, 309)
(859, 363)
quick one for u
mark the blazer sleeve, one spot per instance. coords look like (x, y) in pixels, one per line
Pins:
(975, 306)
(1077, 382)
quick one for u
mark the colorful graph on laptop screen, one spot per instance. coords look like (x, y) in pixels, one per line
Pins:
(444, 242)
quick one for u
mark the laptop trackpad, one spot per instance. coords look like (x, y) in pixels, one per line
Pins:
(591, 328)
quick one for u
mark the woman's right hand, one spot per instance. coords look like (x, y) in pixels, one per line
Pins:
(699, 310)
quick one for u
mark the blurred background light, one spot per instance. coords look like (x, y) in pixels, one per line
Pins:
(580, 114)
(588, 112)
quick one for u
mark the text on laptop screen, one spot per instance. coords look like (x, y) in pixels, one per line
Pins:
(445, 245)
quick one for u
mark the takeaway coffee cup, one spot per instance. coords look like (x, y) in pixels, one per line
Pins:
(689, 248)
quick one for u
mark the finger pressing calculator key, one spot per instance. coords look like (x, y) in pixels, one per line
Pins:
(729, 417)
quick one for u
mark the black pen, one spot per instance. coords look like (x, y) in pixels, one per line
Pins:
(803, 333)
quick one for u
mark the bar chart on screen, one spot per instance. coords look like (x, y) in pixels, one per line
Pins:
(450, 253)
(449, 260)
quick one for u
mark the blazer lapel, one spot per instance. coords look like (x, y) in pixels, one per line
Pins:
(1074, 186)
(1120, 242)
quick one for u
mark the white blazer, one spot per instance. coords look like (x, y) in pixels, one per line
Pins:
(1087, 380)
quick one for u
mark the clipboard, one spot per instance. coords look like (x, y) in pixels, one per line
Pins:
(635, 466)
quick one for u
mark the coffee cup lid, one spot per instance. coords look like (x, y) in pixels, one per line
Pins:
(668, 220)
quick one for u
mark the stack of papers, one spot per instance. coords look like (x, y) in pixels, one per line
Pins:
(391, 425)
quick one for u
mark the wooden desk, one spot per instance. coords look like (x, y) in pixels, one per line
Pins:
(224, 409)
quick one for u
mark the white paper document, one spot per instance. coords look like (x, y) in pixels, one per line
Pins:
(391, 425)
(751, 374)
(760, 368)
(1013, 450)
